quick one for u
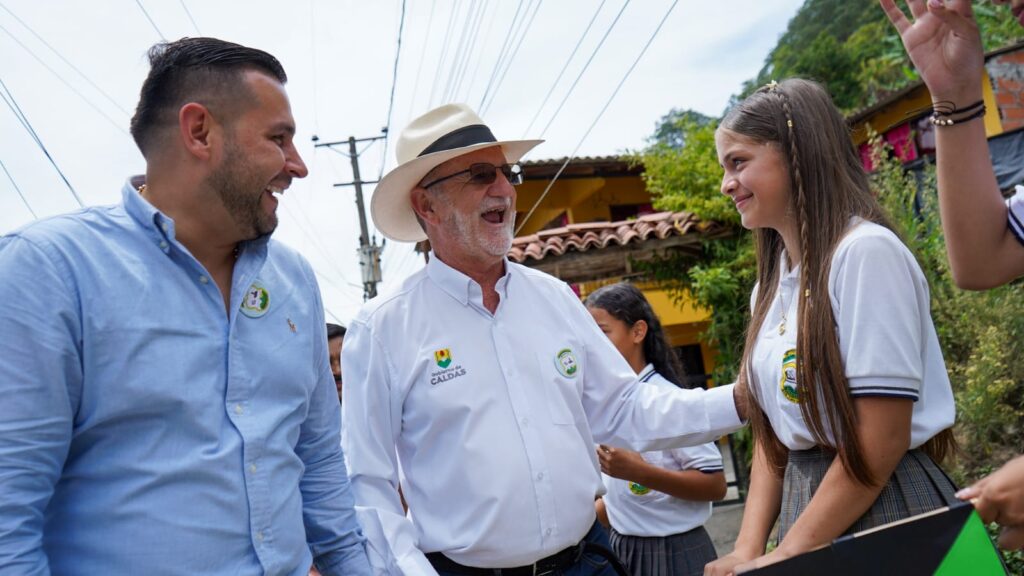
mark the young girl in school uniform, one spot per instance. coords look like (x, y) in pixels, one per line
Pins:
(657, 502)
(852, 406)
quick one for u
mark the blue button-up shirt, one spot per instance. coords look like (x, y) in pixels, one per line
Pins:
(142, 429)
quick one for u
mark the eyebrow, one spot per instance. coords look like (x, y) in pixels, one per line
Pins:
(287, 127)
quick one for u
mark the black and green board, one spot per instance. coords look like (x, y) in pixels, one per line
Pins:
(946, 542)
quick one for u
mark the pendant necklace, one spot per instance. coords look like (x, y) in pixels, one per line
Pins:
(785, 309)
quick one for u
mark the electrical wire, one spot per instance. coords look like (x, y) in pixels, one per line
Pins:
(190, 18)
(158, 32)
(18, 190)
(558, 78)
(479, 59)
(423, 58)
(569, 158)
(12, 103)
(64, 81)
(63, 59)
(585, 66)
(501, 54)
(508, 64)
(444, 53)
(391, 100)
(470, 52)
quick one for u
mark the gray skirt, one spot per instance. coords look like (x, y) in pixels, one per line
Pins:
(677, 555)
(917, 486)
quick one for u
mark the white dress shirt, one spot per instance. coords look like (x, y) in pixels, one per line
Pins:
(636, 510)
(882, 313)
(489, 421)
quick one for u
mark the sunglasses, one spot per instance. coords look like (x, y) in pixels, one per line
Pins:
(484, 174)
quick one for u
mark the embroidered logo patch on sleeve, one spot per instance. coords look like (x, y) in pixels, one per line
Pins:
(256, 301)
(565, 361)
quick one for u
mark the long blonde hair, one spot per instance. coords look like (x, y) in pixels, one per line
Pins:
(829, 187)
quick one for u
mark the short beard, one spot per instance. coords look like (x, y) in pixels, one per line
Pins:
(234, 182)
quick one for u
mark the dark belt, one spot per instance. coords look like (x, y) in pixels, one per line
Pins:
(557, 561)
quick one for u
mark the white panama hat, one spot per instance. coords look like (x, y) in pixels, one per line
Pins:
(435, 137)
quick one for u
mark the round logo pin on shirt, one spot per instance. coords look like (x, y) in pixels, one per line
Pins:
(256, 301)
(565, 361)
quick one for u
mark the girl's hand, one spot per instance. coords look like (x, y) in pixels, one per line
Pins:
(726, 565)
(620, 463)
(944, 44)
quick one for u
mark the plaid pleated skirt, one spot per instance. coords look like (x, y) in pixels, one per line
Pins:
(918, 485)
(676, 555)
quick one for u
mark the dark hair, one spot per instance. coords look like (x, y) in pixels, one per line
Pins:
(204, 70)
(627, 303)
(829, 187)
(335, 331)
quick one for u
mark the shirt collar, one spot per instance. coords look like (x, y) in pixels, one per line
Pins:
(462, 287)
(646, 373)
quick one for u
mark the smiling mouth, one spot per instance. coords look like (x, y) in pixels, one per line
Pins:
(740, 200)
(495, 215)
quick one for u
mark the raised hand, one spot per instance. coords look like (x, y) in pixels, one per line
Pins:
(944, 44)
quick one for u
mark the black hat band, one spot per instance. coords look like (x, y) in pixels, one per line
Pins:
(465, 136)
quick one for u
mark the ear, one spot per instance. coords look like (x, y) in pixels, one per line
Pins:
(195, 124)
(423, 205)
(639, 331)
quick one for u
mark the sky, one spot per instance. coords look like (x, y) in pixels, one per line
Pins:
(75, 68)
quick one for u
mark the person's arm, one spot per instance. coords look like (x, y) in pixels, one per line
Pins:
(692, 485)
(328, 508)
(602, 512)
(41, 386)
(764, 500)
(945, 46)
(999, 497)
(372, 423)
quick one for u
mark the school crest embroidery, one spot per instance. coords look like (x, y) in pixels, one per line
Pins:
(256, 301)
(638, 489)
(565, 361)
(443, 357)
(788, 381)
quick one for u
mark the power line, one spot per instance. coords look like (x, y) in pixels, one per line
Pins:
(462, 51)
(158, 32)
(64, 81)
(585, 66)
(479, 57)
(394, 83)
(190, 18)
(63, 59)
(444, 52)
(562, 71)
(423, 58)
(470, 52)
(501, 54)
(13, 105)
(569, 158)
(508, 63)
(18, 190)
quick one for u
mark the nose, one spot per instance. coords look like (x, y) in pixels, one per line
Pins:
(728, 184)
(294, 164)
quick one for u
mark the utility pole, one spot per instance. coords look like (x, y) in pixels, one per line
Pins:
(369, 252)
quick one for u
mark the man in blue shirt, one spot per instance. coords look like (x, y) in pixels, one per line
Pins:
(167, 400)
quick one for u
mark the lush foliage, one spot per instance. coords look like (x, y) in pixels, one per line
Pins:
(850, 46)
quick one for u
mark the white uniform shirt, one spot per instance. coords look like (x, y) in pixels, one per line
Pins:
(1015, 217)
(880, 301)
(637, 510)
(487, 420)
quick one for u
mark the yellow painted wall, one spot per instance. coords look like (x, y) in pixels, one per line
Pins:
(585, 199)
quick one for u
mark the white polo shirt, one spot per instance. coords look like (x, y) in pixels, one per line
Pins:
(880, 301)
(637, 510)
(489, 421)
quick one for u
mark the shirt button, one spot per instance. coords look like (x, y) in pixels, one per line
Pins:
(525, 421)
(252, 468)
(163, 245)
(259, 536)
(239, 409)
(540, 476)
(203, 280)
(547, 532)
(165, 227)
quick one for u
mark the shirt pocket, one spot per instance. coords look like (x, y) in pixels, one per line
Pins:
(560, 372)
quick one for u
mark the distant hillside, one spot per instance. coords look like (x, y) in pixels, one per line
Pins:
(850, 46)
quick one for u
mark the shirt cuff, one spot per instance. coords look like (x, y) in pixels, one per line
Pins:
(721, 408)
(1015, 217)
(344, 563)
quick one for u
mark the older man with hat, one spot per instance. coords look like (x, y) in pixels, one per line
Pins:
(481, 386)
